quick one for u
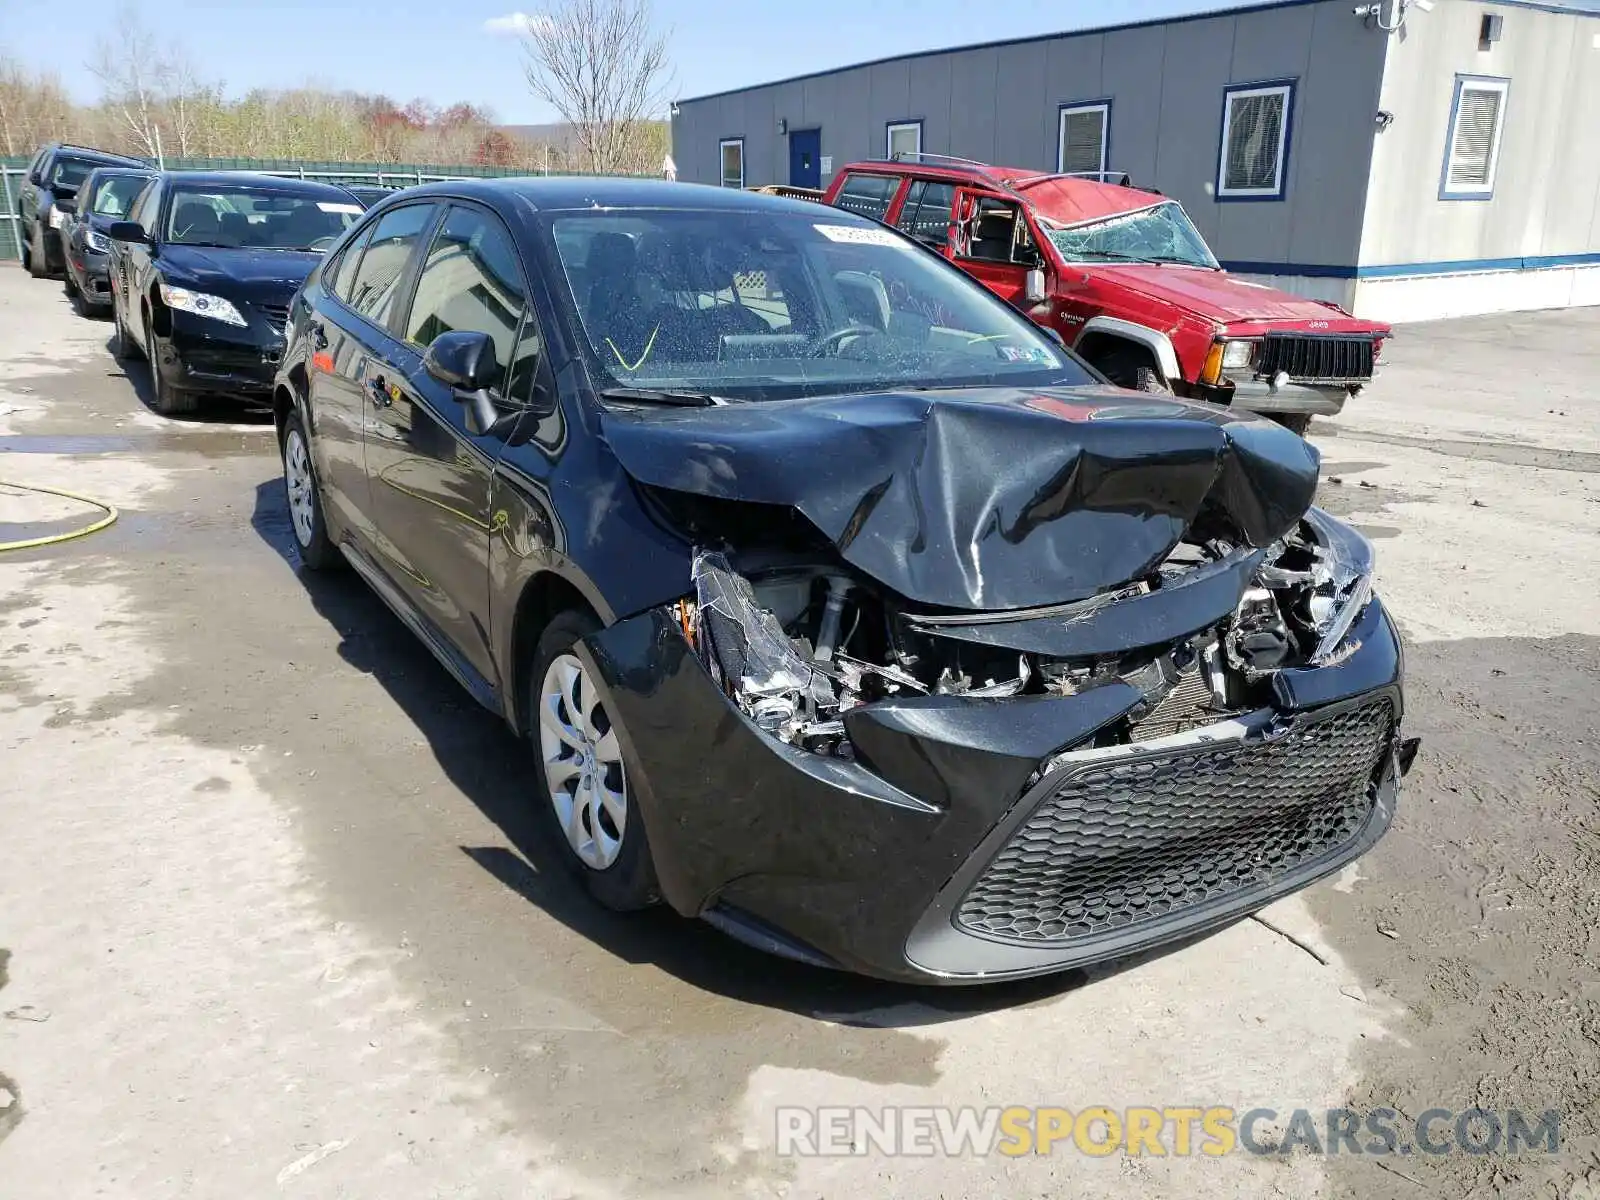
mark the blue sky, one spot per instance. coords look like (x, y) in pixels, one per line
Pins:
(440, 49)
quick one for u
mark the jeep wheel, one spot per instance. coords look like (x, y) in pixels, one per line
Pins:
(1148, 379)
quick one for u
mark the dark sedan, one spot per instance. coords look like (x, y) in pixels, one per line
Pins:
(107, 196)
(202, 274)
(840, 605)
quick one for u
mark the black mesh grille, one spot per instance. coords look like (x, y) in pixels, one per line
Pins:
(1315, 358)
(276, 314)
(1124, 842)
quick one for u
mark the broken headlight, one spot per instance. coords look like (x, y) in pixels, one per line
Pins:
(758, 665)
(1341, 582)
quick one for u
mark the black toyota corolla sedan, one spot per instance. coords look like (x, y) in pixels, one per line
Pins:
(106, 197)
(840, 605)
(202, 272)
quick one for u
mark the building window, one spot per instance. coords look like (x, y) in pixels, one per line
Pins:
(1083, 138)
(1472, 149)
(732, 150)
(1255, 142)
(904, 139)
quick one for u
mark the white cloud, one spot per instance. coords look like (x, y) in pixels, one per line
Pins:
(513, 24)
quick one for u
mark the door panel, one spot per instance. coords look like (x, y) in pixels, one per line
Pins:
(349, 332)
(987, 243)
(805, 158)
(428, 475)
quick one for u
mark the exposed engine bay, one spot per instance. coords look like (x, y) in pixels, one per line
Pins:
(798, 644)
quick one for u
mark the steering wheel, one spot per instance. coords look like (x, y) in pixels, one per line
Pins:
(322, 243)
(820, 347)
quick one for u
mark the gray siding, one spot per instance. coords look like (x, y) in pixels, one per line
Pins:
(1165, 82)
(1547, 187)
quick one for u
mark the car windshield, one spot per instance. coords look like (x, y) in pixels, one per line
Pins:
(762, 305)
(114, 196)
(261, 218)
(1163, 234)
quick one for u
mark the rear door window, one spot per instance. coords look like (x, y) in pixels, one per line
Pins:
(926, 212)
(868, 195)
(343, 275)
(377, 279)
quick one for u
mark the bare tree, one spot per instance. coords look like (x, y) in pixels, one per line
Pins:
(603, 67)
(33, 109)
(151, 88)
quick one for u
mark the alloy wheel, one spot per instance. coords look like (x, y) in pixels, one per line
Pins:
(582, 764)
(297, 483)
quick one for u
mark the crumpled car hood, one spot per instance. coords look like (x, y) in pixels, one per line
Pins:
(987, 499)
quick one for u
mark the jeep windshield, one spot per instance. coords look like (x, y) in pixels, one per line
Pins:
(1162, 234)
(766, 305)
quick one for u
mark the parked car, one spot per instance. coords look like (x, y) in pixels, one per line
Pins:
(202, 272)
(1125, 277)
(107, 195)
(883, 642)
(49, 192)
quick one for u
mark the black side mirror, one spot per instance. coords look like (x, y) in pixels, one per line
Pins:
(464, 361)
(128, 231)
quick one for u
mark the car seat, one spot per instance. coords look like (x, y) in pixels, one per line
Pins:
(196, 221)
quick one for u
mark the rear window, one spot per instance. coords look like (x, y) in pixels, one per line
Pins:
(69, 173)
(867, 195)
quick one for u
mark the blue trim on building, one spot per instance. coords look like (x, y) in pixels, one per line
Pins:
(1096, 30)
(888, 153)
(1407, 270)
(1286, 145)
(1065, 106)
(1450, 137)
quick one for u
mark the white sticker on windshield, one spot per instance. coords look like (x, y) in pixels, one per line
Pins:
(858, 236)
(326, 206)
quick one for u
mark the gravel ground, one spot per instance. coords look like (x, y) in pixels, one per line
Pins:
(275, 919)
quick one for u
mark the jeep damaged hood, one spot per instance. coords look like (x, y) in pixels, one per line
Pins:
(1219, 296)
(986, 499)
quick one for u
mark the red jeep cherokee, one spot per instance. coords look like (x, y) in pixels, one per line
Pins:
(1126, 279)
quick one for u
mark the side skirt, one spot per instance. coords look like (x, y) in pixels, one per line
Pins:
(468, 676)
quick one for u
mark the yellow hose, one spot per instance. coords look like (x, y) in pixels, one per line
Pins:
(95, 527)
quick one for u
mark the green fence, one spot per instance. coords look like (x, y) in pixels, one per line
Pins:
(12, 171)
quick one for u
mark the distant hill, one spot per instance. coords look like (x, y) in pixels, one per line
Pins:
(557, 135)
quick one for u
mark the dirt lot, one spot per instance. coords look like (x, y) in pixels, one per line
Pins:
(275, 919)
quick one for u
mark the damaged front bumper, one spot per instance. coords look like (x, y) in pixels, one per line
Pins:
(976, 839)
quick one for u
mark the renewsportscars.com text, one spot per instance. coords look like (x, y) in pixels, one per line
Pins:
(1099, 1131)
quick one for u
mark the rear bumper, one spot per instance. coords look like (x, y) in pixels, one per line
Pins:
(875, 868)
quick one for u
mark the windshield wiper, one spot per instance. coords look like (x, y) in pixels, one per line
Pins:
(1142, 258)
(670, 396)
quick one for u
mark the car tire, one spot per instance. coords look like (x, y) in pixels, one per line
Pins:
(304, 496)
(27, 249)
(36, 258)
(123, 347)
(164, 398)
(1294, 422)
(581, 778)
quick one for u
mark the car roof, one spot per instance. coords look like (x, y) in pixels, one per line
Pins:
(100, 156)
(124, 170)
(582, 191)
(279, 183)
(1068, 199)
